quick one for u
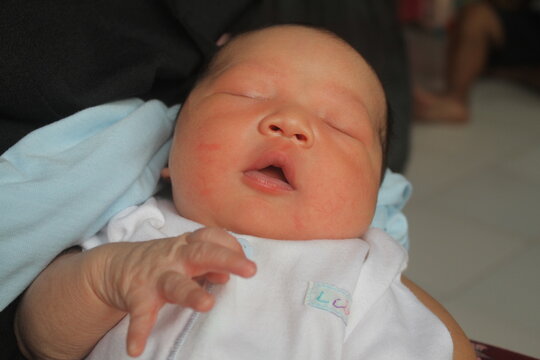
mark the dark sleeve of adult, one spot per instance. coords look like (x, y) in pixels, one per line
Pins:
(370, 26)
(61, 56)
(8, 342)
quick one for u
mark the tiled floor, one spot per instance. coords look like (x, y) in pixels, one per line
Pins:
(475, 216)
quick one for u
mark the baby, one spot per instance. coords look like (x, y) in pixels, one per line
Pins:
(283, 139)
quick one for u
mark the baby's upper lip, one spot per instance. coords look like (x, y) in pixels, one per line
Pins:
(279, 160)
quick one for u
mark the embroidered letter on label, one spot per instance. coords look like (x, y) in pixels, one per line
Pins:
(329, 298)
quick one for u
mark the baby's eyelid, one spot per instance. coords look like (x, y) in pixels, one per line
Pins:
(256, 95)
(338, 128)
(248, 94)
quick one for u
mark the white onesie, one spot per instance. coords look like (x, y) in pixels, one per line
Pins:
(316, 299)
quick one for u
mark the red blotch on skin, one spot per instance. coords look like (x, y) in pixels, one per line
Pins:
(298, 223)
(208, 147)
(206, 152)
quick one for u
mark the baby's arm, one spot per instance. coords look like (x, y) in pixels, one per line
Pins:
(463, 349)
(80, 296)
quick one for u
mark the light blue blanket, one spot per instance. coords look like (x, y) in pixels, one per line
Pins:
(64, 181)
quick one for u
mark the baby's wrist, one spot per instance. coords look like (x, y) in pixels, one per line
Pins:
(98, 273)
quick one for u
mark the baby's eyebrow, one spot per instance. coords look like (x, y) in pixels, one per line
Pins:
(249, 73)
(346, 93)
(379, 120)
(256, 68)
(263, 72)
(349, 97)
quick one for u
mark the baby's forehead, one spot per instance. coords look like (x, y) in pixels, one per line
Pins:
(250, 53)
(260, 41)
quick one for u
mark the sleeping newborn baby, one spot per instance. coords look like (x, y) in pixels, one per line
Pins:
(275, 166)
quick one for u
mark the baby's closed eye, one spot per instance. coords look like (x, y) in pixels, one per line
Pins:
(350, 128)
(339, 127)
(251, 94)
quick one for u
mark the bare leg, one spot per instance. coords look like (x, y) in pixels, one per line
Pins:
(477, 30)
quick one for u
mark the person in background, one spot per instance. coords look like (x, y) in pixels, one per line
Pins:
(496, 35)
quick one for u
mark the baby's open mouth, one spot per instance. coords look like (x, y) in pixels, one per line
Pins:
(274, 172)
(269, 178)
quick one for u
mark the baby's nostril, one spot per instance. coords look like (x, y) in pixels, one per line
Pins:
(277, 130)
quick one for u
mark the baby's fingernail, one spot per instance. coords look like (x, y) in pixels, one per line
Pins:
(204, 303)
(133, 349)
(252, 269)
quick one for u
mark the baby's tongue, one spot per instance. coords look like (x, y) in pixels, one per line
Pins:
(274, 172)
(272, 176)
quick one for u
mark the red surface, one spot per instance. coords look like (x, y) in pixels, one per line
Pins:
(490, 352)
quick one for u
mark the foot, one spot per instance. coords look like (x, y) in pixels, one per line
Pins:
(433, 108)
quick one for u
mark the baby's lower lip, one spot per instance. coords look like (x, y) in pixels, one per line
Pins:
(263, 182)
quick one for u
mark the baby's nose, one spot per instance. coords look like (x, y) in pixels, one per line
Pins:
(295, 127)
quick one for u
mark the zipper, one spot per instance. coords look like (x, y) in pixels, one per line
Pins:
(181, 339)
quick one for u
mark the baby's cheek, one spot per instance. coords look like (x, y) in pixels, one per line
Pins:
(206, 152)
(326, 208)
(210, 169)
(299, 223)
(327, 203)
(354, 201)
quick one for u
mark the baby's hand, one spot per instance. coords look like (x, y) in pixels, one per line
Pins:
(139, 278)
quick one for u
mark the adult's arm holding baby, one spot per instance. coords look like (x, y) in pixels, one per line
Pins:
(463, 349)
(82, 295)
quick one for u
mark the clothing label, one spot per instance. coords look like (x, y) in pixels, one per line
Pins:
(329, 298)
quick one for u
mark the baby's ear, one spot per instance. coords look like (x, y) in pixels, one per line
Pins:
(223, 39)
(166, 173)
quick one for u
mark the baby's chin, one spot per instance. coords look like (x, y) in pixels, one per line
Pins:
(292, 235)
(277, 231)
(278, 227)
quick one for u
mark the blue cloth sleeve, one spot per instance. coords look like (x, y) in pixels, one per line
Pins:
(394, 193)
(64, 181)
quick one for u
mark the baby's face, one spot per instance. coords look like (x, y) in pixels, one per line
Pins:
(282, 141)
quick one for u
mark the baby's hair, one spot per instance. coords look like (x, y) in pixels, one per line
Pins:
(215, 64)
(386, 135)
(212, 66)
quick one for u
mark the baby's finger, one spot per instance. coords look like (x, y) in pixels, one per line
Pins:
(204, 257)
(178, 289)
(217, 278)
(141, 321)
(215, 235)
